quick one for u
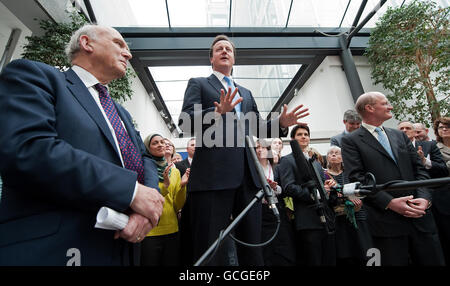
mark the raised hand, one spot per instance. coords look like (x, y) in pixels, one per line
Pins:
(291, 118)
(185, 178)
(226, 101)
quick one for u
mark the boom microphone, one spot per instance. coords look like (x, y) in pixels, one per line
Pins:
(359, 190)
(268, 192)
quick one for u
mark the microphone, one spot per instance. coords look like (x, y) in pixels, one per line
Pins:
(359, 190)
(353, 189)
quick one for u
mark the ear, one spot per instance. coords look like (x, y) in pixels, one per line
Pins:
(368, 107)
(86, 44)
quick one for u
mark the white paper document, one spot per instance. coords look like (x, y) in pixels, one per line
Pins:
(110, 219)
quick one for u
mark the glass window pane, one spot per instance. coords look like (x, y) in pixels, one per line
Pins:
(260, 13)
(130, 13)
(317, 13)
(199, 13)
(266, 82)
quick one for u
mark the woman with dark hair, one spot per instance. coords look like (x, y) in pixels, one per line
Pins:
(161, 247)
(353, 237)
(281, 251)
(441, 196)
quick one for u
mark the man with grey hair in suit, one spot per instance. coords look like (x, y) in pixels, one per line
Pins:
(352, 121)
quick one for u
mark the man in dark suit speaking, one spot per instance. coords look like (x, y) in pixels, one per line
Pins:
(222, 182)
(67, 150)
(401, 222)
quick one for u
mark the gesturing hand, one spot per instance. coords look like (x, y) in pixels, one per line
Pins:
(226, 101)
(185, 178)
(291, 118)
(421, 154)
(166, 175)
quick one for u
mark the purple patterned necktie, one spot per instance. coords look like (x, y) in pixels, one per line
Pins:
(131, 157)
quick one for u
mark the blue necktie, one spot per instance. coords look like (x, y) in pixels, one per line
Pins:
(236, 97)
(384, 142)
(132, 159)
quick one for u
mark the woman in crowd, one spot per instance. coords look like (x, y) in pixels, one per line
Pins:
(281, 251)
(441, 196)
(161, 247)
(353, 237)
(276, 147)
(169, 151)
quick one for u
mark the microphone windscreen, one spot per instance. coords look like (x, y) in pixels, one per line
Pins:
(301, 162)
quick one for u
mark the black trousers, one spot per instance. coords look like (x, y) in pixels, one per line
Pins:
(443, 225)
(316, 248)
(162, 250)
(210, 212)
(416, 248)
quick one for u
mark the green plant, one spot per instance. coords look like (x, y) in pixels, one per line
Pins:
(49, 48)
(409, 55)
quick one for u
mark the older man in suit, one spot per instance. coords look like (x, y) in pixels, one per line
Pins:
(67, 150)
(222, 181)
(352, 121)
(401, 222)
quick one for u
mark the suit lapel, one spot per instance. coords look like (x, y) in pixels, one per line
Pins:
(214, 82)
(82, 94)
(245, 94)
(394, 141)
(371, 141)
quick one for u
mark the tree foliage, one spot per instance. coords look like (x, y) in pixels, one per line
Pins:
(49, 48)
(409, 55)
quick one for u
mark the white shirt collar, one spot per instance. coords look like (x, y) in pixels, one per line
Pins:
(220, 75)
(86, 77)
(371, 128)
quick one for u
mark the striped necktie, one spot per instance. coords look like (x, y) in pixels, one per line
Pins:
(132, 159)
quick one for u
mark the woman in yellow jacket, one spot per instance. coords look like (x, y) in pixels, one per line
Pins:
(161, 247)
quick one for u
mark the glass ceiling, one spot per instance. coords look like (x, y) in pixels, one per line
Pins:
(244, 13)
(267, 83)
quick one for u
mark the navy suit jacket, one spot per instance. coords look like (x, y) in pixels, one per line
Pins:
(362, 153)
(219, 168)
(59, 165)
(337, 139)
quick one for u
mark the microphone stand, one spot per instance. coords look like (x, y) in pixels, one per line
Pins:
(259, 195)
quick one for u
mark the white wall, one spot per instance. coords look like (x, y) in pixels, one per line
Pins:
(144, 112)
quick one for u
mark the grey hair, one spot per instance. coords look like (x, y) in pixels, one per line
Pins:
(73, 47)
(352, 116)
(334, 147)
